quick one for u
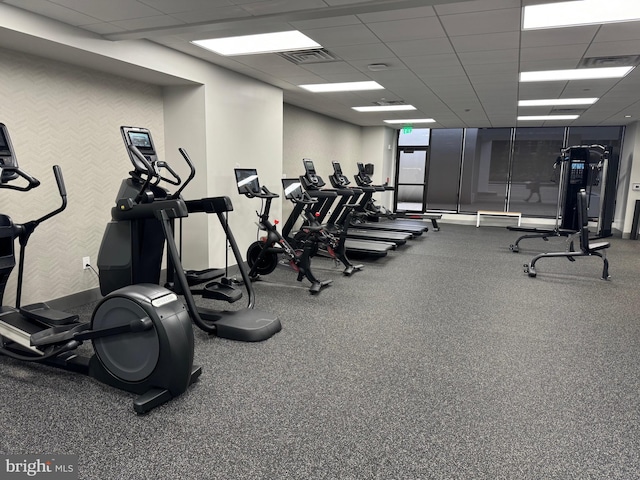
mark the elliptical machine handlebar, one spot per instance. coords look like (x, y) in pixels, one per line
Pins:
(62, 190)
(192, 172)
(31, 181)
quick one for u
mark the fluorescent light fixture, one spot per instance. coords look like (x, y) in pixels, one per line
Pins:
(412, 120)
(575, 13)
(260, 43)
(342, 87)
(548, 117)
(384, 108)
(557, 101)
(575, 74)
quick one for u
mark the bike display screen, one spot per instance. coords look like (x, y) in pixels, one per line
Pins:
(247, 180)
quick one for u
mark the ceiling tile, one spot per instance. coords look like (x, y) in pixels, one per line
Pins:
(369, 51)
(574, 52)
(558, 36)
(489, 57)
(494, 21)
(330, 67)
(211, 14)
(421, 47)
(342, 35)
(483, 42)
(495, 68)
(432, 61)
(148, 22)
(610, 49)
(172, 6)
(399, 14)
(55, 11)
(110, 11)
(475, 6)
(409, 29)
(105, 28)
(615, 32)
(281, 6)
(326, 22)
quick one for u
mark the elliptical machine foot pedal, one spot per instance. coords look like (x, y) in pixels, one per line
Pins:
(220, 291)
(41, 312)
(247, 325)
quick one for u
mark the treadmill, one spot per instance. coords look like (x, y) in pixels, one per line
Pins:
(312, 183)
(363, 179)
(366, 191)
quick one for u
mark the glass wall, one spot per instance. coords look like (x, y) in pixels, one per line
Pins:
(485, 169)
(534, 177)
(410, 183)
(503, 169)
(444, 169)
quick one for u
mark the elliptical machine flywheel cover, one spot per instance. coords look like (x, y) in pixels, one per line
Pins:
(131, 356)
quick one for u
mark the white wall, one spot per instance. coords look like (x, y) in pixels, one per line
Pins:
(629, 174)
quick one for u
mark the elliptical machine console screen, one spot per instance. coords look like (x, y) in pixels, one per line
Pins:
(247, 181)
(4, 146)
(7, 158)
(142, 141)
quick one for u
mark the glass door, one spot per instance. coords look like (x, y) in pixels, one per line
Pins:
(411, 179)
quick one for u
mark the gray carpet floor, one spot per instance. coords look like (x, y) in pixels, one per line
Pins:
(443, 360)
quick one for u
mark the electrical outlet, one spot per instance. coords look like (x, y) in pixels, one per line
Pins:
(635, 187)
(86, 261)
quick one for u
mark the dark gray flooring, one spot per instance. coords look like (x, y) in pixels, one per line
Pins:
(442, 361)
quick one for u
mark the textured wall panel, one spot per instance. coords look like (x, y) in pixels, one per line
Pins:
(70, 116)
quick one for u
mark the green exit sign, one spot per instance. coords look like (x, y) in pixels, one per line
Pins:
(407, 129)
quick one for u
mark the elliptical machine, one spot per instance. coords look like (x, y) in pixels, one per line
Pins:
(142, 223)
(262, 255)
(141, 335)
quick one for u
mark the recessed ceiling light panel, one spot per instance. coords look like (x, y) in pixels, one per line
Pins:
(384, 108)
(547, 117)
(584, 12)
(260, 43)
(411, 121)
(575, 74)
(558, 101)
(342, 87)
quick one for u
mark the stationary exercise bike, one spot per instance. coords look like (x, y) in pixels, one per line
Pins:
(262, 255)
(141, 335)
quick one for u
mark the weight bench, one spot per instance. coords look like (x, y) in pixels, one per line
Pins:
(497, 214)
(587, 248)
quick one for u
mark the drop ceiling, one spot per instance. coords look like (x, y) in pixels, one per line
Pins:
(456, 61)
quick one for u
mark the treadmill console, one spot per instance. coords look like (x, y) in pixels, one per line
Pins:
(141, 139)
(362, 178)
(247, 181)
(338, 179)
(7, 157)
(310, 179)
